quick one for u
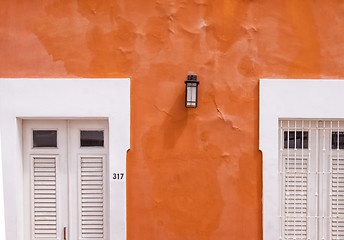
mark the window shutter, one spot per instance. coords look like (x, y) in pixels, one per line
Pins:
(92, 197)
(295, 200)
(44, 197)
(337, 206)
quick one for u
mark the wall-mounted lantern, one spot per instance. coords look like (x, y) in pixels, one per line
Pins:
(191, 91)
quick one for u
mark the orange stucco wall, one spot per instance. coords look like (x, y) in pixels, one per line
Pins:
(192, 174)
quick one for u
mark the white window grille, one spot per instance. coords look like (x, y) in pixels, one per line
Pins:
(311, 169)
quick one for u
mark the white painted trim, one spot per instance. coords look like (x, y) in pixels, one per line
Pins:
(289, 98)
(67, 99)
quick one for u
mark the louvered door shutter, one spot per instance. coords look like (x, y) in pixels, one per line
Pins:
(295, 198)
(92, 197)
(337, 205)
(44, 198)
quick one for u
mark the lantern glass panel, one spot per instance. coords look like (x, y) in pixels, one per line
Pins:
(191, 96)
(191, 92)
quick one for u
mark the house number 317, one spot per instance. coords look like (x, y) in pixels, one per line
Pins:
(118, 176)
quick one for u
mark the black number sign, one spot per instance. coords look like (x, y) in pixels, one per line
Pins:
(118, 176)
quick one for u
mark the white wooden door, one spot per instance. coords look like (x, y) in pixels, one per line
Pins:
(65, 172)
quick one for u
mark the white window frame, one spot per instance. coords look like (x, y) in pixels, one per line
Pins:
(289, 99)
(65, 99)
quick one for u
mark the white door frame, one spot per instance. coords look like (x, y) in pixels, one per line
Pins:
(68, 99)
(289, 99)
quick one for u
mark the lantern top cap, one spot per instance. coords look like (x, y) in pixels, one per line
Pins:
(192, 79)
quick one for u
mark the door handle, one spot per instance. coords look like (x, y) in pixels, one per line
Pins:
(65, 233)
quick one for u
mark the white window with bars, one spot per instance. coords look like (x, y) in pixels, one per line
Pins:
(311, 182)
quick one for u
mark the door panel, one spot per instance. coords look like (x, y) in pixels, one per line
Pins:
(88, 160)
(44, 196)
(92, 197)
(45, 181)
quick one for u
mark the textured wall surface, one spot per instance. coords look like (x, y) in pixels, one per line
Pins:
(192, 174)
